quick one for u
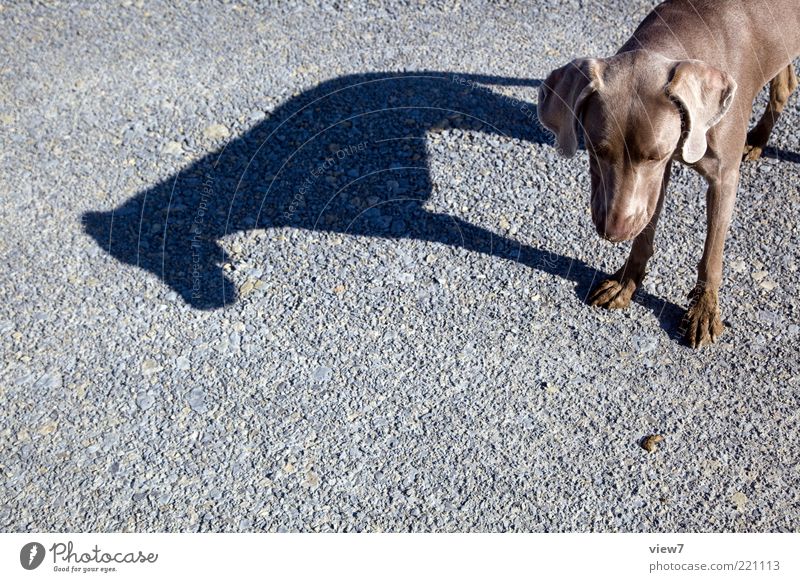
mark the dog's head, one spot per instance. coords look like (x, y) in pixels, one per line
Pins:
(636, 111)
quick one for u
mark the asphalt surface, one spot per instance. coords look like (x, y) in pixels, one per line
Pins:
(317, 267)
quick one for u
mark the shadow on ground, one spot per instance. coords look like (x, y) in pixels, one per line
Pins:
(348, 156)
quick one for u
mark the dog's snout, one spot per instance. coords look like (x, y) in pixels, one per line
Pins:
(617, 228)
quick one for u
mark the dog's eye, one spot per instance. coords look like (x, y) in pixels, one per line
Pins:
(601, 151)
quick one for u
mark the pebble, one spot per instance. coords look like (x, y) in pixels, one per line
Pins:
(651, 442)
(49, 427)
(645, 344)
(768, 284)
(216, 131)
(406, 278)
(150, 367)
(738, 265)
(49, 381)
(145, 400)
(172, 148)
(197, 400)
(322, 374)
(740, 500)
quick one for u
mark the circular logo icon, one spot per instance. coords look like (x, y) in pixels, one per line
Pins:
(31, 555)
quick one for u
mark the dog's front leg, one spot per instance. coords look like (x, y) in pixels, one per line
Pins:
(702, 323)
(617, 291)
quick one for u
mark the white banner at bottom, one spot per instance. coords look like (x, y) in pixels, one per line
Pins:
(635, 557)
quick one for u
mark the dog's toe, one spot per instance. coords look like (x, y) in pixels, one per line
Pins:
(751, 152)
(702, 324)
(613, 294)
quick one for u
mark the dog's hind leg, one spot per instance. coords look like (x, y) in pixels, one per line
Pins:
(780, 88)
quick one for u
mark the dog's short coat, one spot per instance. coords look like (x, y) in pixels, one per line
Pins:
(682, 88)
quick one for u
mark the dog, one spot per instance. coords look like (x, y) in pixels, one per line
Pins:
(682, 88)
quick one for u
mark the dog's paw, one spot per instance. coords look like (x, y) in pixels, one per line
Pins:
(613, 294)
(751, 152)
(702, 324)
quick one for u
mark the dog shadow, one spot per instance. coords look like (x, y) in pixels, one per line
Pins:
(348, 156)
(781, 155)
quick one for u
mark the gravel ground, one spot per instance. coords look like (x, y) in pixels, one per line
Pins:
(315, 267)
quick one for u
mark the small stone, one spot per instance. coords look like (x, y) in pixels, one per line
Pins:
(172, 148)
(312, 480)
(182, 363)
(248, 287)
(150, 367)
(769, 317)
(145, 400)
(48, 427)
(650, 442)
(216, 131)
(504, 224)
(740, 500)
(197, 400)
(339, 289)
(322, 374)
(51, 380)
(768, 284)
(738, 265)
(406, 278)
(645, 343)
(758, 275)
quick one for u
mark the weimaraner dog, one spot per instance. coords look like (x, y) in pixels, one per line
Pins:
(682, 88)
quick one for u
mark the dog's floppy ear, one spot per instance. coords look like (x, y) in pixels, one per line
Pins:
(705, 94)
(561, 97)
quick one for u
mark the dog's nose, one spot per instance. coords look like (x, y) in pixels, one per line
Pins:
(618, 229)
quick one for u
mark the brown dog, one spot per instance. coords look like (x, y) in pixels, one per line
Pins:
(682, 88)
